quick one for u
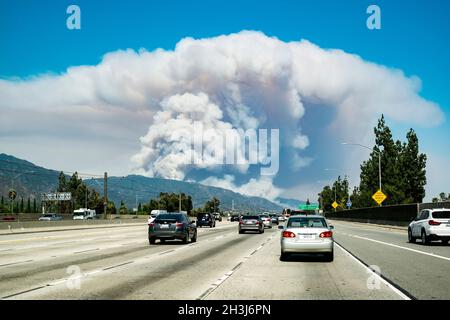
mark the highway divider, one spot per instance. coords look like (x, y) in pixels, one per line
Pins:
(396, 215)
(399, 215)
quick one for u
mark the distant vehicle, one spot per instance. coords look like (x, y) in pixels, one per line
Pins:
(206, 219)
(274, 218)
(298, 212)
(153, 215)
(267, 221)
(172, 226)
(251, 223)
(50, 217)
(84, 214)
(281, 218)
(430, 225)
(9, 218)
(234, 217)
(217, 216)
(307, 234)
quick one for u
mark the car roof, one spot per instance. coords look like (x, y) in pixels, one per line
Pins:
(307, 216)
(440, 209)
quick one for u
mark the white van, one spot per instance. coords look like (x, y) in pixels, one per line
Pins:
(154, 213)
(84, 214)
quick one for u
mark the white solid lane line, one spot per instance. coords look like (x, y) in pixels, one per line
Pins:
(401, 294)
(400, 247)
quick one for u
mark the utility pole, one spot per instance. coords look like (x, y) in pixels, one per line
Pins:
(105, 186)
(85, 200)
(179, 204)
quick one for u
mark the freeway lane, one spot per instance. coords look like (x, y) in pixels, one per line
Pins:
(120, 264)
(423, 271)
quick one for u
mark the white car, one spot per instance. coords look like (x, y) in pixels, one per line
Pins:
(281, 218)
(267, 221)
(307, 234)
(430, 225)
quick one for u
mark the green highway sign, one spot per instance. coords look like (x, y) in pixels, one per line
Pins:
(308, 206)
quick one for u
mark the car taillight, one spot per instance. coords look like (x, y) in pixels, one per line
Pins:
(433, 223)
(241, 222)
(288, 234)
(179, 224)
(151, 224)
(257, 222)
(326, 234)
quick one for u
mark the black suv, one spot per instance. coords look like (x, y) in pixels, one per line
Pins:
(206, 219)
(171, 226)
(235, 217)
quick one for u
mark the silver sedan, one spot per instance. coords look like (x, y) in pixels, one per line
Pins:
(307, 234)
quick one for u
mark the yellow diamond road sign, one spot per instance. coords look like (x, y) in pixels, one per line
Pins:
(335, 205)
(379, 197)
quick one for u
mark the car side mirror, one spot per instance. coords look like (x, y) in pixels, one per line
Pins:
(331, 227)
(281, 227)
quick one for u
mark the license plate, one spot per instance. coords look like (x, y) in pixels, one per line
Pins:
(306, 236)
(164, 226)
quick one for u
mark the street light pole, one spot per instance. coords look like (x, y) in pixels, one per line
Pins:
(379, 159)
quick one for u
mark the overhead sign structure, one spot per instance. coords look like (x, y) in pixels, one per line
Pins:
(379, 197)
(308, 206)
(12, 194)
(57, 196)
(335, 205)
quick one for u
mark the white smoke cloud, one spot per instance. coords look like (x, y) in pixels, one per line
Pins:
(261, 187)
(238, 81)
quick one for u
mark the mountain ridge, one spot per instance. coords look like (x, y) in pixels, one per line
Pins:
(16, 172)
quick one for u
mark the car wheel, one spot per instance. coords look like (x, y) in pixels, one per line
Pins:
(329, 256)
(151, 240)
(445, 242)
(425, 239)
(411, 239)
(284, 256)
(241, 232)
(186, 238)
(162, 240)
(194, 238)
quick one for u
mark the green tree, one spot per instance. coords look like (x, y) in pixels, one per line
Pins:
(212, 205)
(22, 207)
(123, 209)
(34, 206)
(412, 164)
(111, 208)
(28, 208)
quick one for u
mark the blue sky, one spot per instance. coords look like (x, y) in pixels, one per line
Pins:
(414, 38)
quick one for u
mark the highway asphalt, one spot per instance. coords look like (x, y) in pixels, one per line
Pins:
(119, 263)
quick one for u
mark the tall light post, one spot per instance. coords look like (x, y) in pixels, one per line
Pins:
(346, 176)
(371, 149)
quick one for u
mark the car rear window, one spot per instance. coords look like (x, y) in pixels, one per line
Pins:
(169, 218)
(250, 217)
(441, 214)
(307, 223)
